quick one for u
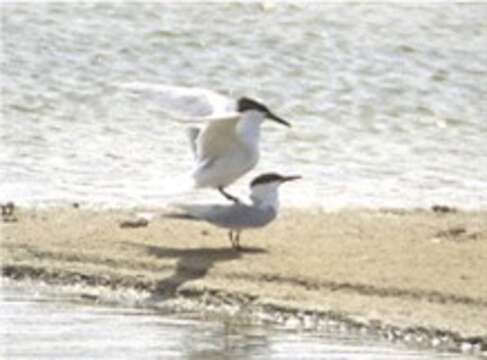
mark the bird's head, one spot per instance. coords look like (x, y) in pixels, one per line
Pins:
(264, 187)
(246, 104)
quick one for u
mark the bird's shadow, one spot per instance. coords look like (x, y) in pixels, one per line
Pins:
(192, 263)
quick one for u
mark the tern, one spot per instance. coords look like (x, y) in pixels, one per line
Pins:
(228, 146)
(237, 217)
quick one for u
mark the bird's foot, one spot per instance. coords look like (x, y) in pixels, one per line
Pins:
(234, 199)
(228, 196)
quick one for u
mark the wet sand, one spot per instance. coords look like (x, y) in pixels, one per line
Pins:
(411, 271)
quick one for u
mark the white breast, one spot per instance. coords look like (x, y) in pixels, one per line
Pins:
(229, 151)
(226, 169)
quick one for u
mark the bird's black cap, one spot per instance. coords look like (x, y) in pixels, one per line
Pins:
(272, 177)
(245, 104)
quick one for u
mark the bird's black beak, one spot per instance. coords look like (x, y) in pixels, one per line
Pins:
(277, 119)
(291, 178)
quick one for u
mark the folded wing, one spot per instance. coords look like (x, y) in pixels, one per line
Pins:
(237, 216)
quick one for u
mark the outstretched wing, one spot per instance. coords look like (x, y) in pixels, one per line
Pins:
(183, 102)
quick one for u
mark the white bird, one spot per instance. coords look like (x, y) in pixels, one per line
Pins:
(228, 146)
(237, 217)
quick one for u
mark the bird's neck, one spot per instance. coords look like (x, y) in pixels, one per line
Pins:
(249, 127)
(265, 196)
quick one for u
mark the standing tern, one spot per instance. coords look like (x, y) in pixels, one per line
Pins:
(228, 146)
(238, 216)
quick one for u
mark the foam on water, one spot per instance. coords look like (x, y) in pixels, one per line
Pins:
(43, 322)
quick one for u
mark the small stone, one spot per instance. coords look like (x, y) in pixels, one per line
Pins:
(8, 209)
(8, 212)
(465, 347)
(435, 342)
(292, 323)
(443, 209)
(363, 330)
(309, 322)
(90, 297)
(476, 348)
(135, 223)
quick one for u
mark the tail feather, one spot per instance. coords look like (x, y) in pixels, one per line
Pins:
(181, 216)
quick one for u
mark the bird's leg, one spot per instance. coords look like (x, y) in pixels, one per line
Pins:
(234, 236)
(228, 196)
(230, 236)
(237, 240)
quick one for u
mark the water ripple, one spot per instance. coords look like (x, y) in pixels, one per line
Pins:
(388, 94)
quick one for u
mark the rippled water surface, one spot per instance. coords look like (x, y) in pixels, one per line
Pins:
(43, 325)
(388, 101)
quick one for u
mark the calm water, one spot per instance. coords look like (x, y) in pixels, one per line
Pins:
(388, 102)
(49, 325)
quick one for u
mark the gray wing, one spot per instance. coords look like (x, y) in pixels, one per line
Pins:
(182, 102)
(237, 216)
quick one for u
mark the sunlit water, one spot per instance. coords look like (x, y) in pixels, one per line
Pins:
(43, 325)
(388, 101)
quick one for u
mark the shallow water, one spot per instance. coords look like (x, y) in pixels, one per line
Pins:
(387, 100)
(51, 325)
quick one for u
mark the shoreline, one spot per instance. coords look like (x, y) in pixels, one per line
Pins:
(416, 276)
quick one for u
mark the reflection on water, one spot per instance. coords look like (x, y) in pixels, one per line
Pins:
(40, 325)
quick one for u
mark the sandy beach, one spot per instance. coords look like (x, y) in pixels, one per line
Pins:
(414, 269)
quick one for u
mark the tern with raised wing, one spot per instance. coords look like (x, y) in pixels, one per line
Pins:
(239, 216)
(228, 146)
